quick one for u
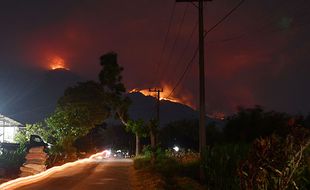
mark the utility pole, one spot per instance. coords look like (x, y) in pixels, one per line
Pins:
(158, 91)
(202, 103)
(153, 127)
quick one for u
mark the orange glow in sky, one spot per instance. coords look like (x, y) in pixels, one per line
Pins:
(56, 62)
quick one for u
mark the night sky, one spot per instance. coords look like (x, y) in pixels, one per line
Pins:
(260, 55)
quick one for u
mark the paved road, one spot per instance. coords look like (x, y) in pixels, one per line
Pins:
(107, 174)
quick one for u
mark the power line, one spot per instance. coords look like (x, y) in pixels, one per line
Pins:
(196, 50)
(224, 40)
(175, 42)
(165, 41)
(184, 73)
(261, 29)
(225, 17)
(183, 52)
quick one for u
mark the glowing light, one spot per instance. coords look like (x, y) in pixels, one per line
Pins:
(165, 95)
(19, 182)
(103, 154)
(176, 148)
(56, 62)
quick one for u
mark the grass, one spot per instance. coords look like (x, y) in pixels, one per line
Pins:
(10, 162)
(181, 170)
(221, 165)
(174, 173)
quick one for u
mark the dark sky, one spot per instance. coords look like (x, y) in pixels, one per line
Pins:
(260, 55)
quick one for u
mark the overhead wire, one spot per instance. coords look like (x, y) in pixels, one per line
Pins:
(164, 44)
(224, 17)
(261, 28)
(170, 55)
(197, 49)
(185, 49)
(224, 40)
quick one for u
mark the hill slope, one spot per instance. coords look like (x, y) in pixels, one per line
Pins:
(30, 98)
(144, 107)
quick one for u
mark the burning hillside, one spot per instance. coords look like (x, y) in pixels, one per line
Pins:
(56, 62)
(166, 95)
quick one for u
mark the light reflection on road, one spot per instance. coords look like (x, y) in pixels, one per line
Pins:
(23, 181)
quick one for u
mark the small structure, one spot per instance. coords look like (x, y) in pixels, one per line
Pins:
(35, 162)
(35, 158)
(8, 129)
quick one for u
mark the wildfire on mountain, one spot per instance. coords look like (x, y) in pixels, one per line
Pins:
(166, 95)
(56, 62)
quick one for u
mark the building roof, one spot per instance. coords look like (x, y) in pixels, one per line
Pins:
(10, 121)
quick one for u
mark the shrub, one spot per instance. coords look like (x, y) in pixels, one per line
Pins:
(221, 165)
(277, 162)
(166, 166)
(11, 161)
(147, 151)
(190, 169)
(141, 162)
(163, 165)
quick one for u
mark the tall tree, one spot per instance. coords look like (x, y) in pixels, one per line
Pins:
(79, 110)
(153, 127)
(110, 76)
(84, 106)
(137, 127)
(111, 79)
(251, 123)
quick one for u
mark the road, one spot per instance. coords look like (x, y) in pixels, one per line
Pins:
(106, 174)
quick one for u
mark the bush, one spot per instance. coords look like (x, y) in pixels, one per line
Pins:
(221, 165)
(304, 175)
(167, 166)
(11, 161)
(190, 169)
(147, 151)
(141, 162)
(277, 162)
(163, 165)
(251, 123)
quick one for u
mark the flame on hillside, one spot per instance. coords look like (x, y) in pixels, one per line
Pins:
(56, 62)
(166, 95)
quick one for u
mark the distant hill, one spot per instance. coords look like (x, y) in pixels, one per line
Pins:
(31, 98)
(144, 107)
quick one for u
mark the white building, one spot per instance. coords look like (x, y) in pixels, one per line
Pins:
(8, 129)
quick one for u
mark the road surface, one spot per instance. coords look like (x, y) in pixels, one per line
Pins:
(107, 174)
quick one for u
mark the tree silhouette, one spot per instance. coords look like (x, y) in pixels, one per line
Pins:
(111, 80)
(89, 104)
(78, 111)
(137, 127)
(251, 123)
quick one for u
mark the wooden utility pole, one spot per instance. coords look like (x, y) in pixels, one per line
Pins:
(202, 104)
(153, 128)
(158, 91)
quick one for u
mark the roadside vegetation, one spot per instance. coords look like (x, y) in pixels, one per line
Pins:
(80, 114)
(172, 171)
(10, 163)
(252, 149)
(255, 150)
